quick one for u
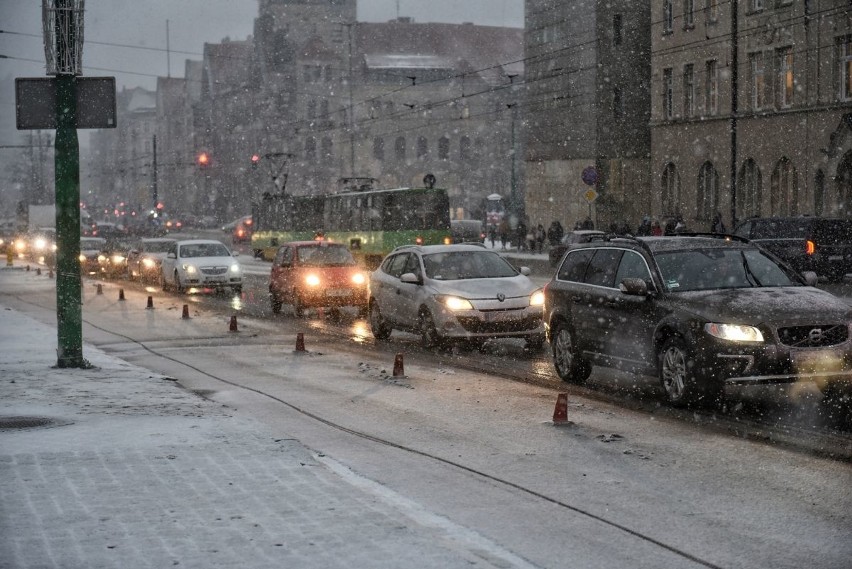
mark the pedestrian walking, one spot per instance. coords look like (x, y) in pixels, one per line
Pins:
(505, 229)
(539, 237)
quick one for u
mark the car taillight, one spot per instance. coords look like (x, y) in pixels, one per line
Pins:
(810, 247)
(418, 240)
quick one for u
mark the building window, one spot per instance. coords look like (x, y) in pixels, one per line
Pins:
(399, 148)
(786, 81)
(324, 110)
(616, 29)
(688, 90)
(784, 189)
(668, 16)
(750, 190)
(379, 148)
(327, 149)
(444, 148)
(670, 183)
(464, 148)
(844, 60)
(711, 11)
(422, 147)
(688, 14)
(668, 94)
(312, 109)
(756, 5)
(711, 88)
(310, 150)
(757, 80)
(708, 192)
(617, 103)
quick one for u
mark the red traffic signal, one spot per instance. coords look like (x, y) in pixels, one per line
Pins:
(203, 159)
(255, 158)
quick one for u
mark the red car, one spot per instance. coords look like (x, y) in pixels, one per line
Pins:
(313, 274)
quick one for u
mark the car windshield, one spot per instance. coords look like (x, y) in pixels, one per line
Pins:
(707, 269)
(458, 265)
(204, 250)
(324, 256)
(157, 246)
(92, 243)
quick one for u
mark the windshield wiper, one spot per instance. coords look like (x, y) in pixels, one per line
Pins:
(749, 274)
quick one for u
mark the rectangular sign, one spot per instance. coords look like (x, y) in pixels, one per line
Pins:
(35, 102)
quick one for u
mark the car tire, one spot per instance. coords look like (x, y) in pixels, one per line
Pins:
(682, 383)
(380, 328)
(566, 359)
(178, 286)
(429, 336)
(298, 307)
(275, 302)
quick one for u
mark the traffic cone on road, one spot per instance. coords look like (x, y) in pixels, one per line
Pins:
(233, 326)
(300, 342)
(150, 303)
(121, 294)
(100, 288)
(560, 413)
(398, 367)
(185, 314)
(38, 271)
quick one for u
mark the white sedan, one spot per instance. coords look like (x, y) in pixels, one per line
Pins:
(201, 263)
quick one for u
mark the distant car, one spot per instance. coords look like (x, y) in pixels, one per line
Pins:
(818, 244)
(240, 229)
(90, 248)
(41, 246)
(699, 312)
(467, 231)
(112, 260)
(316, 274)
(576, 236)
(454, 292)
(145, 257)
(201, 263)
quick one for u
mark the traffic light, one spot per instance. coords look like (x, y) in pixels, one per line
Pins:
(203, 159)
(255, 159)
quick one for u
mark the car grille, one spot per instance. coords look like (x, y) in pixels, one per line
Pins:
(214, 271)
(816, 336)
(477, 326)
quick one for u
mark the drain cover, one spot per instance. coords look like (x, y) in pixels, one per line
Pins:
(7, 423)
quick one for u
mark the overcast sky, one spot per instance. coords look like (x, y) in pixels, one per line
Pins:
(141, 24)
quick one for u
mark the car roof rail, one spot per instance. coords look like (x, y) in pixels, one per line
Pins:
(407, 246)
(725, 236)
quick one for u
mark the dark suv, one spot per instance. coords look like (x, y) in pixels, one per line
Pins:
(699, 311)
(817, 244)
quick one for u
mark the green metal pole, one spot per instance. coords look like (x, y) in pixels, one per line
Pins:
(69, 313)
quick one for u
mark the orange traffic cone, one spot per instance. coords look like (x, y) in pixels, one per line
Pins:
(560, 413)
(121, 294)
(100, 288)
(398, 368)
(300, 342)
(150, 302)
(185, 314)
(233, 325)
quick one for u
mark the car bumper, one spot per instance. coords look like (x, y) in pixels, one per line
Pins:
(212, 281)
(334, 297)
(518, 323)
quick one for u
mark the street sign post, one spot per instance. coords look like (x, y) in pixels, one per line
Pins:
(35, 102)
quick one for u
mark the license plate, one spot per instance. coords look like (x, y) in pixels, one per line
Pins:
(815, 361)
(497, 317)
(338, 292)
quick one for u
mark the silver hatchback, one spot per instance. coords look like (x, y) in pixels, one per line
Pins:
(462, 292)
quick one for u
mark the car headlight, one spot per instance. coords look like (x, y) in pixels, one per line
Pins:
(456, 303)
(312, 280)
(82, 258)
(358, 278)
(117, 259)
(40, 244)
(149, 263)
(537, 298)
(189, 269)
(102, 259)
(733, 332)
(235, 268)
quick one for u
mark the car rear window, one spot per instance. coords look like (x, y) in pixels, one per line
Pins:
(324, 255)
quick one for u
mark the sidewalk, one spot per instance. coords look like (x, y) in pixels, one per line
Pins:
(129, 470)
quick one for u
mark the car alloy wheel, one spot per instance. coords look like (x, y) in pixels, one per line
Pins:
(380, 328)
(568, 364)
(178, 286)
(429, 337)
(673, 370)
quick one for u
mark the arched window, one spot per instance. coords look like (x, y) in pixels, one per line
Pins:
(379, 148)
(422, 147)
(784, 189)
(707, 203)
(670, 190)
(444, 148)
(464, 148)
(327, 149)
(311, 150)
(749, 190)
(399, 147)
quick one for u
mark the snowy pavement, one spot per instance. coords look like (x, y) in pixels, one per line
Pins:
(129, 470)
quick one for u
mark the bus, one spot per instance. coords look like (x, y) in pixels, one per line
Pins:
(371, 222)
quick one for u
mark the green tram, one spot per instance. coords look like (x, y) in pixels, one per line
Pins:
(371, 222)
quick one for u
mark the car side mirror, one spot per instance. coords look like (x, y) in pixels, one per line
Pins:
(171, 256)
(410, 278)
(235, 254)
(634, 287)
(525, 271)
(811, 278)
